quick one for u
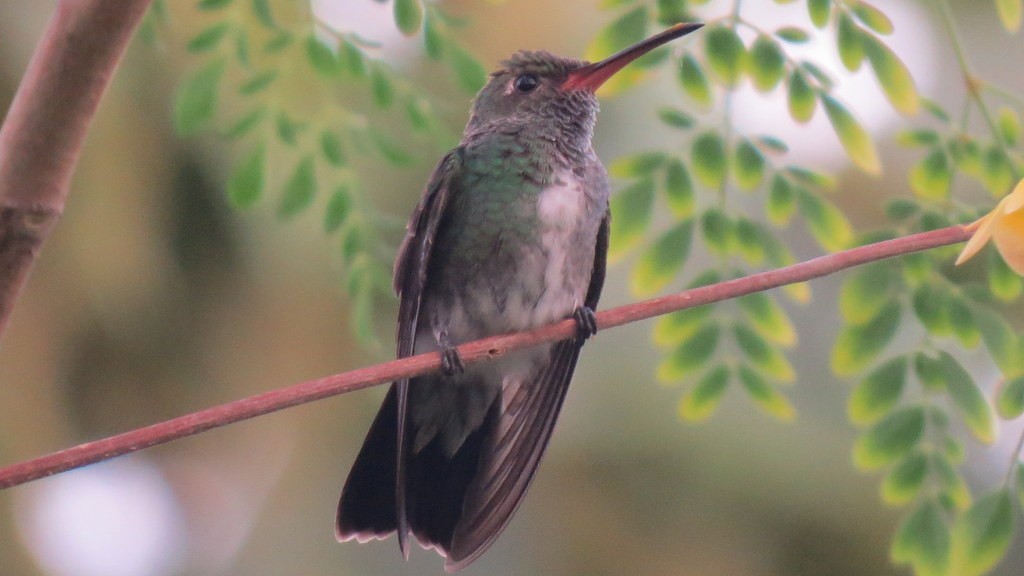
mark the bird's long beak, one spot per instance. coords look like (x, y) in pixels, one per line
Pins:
(591, 76)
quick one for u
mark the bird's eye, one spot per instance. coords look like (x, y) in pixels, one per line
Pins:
(526, 83)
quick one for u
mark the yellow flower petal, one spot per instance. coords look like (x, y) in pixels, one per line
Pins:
(1015, 201)
(982, 233)
(1008, 235)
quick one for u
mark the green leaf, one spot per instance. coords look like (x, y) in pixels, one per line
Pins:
(299, 189)
(631, 214)
(257, 83)
(660, 264)
(962, 322)
(469, 71)
(433, 38)
(892, 74)
(389, 149)
(1004, 283)
(929, 372)
(969, 399)
(772, 144)
(338, 208)
(246, 183)
(278, 42)
(904, 482)
(802, 99)
(408, 16)
(351, 57)
(931, 306)
(262, 10)
(767, 359)
(857, 346)
(213, 4)
(748, 166)
(1009, 126)
(997, 174)
(694, 81)
(852, 135)
(901, 209)
(793, 34)
(865, 293)
(765, 395)
(679, 189)
(209, 38)
(726, 55)
(982, 535)
(196, 100)
(750, 240)
(879, 392)
(768, 318)
(676, 118)
(890, 439)
(827, 224)
(931, 177)
(918, 137)
(709, 161)
(331, 148)
(703, 399)
(380, 83)
(690, 355)
(246, 123)
(923, 541)
(640, 165)
(320, 56)
(718, 231)
(781, 202)
(873, 18)
(767, 63)
(851, 49)
(999, 337)
(673, 328)
(1010, 399)
(1010, 12)
(811, 178)
(819, 11)
(288, 130)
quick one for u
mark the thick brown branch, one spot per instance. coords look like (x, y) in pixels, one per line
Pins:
(486, 349)
(43, 132)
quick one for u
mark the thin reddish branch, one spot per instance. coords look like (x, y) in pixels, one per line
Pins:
(43, 131)
(486, 349)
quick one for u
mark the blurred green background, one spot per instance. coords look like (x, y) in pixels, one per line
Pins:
(154, 298)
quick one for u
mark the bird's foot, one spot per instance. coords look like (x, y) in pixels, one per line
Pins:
(451, 362)
(586, 322)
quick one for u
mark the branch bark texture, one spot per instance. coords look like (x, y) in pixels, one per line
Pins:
(480, 350)
(43, 131)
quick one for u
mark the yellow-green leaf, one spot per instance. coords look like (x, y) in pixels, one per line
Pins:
(851, 49)
(781, 202)
(703, 399)
(748, 165)
(690, 355)
(1000, 339)
(852, 135)
(679, 189)
(997, 174)
(709, 161)
(673, 328)
(408, 16)
(819, 11)
(767, 359)
(299, 189)
(969, 399)
(802, 100)
(890, 438)
(873, 17)
(923, 541)
(767, 63)
(469, 71)
(1009, 126)
(726, 55)
(982, 535)
(930, 303)
(246, 184)
(631, 213)
(660, 264)
(892, 74)
(694, 81)
(196, 100)
(827, 224)
(718, 231)
(878, 393)
(768, 318)
(750, 240)
(629, 28)
(640, 165)
(338, 208)
(865, 293)
(931, 177)
(904, 482)
(793, 34)
(765, 395)
(857, 346)
(1004, 283)
(1010, 399)
(1010, 12)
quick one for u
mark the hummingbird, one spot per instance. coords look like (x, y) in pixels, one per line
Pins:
(511, 234)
